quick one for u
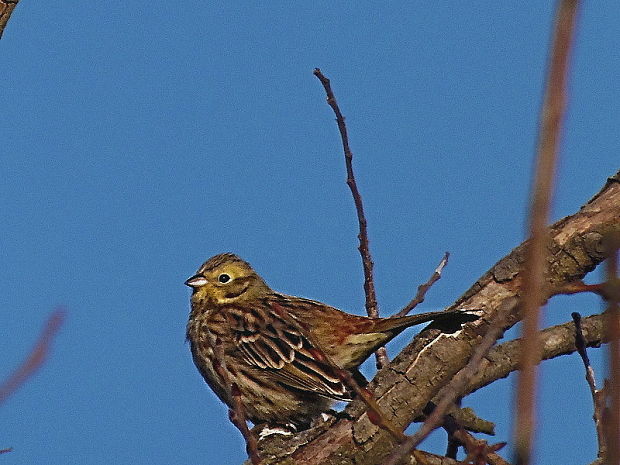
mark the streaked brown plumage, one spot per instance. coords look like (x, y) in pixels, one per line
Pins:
(268, 340)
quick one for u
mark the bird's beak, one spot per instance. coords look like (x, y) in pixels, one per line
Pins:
(196, 281)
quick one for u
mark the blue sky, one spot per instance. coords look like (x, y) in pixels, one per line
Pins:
(140, 139)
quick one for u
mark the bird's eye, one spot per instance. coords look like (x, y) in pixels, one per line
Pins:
(223, 278)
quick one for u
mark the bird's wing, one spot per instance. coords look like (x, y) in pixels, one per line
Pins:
(271, 339)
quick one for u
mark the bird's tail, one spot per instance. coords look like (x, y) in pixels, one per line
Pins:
(446, 320)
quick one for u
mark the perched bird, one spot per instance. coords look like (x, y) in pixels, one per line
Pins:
(270, 341)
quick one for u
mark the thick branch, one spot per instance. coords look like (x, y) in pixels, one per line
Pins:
(449, 394)
(554, 341)
(405, 386)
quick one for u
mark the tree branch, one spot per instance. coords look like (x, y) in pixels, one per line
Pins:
(411, 380)
(454, 390)
(552, 114)
(597, 398)
(554, 341)
(372, 308)
(423, 288)
(36, 358)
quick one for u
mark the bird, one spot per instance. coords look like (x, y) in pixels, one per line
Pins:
(280, 351)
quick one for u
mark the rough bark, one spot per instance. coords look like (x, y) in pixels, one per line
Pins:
(409, 382)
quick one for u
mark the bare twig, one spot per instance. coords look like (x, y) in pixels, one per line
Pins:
(236, 413)
(36, 358)
(372, 308)
(578, 287)
(455, 388)
(551, 120)
(6, 8)
(613, 329)
(597, 399)
(423, 288)
(480, 451)
(554, 341)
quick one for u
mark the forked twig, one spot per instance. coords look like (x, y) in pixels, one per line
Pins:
(369, 285)
(423, 288)
(479, 451)
(551, 119)
(455, 388)
(597, 398)
(36, 358)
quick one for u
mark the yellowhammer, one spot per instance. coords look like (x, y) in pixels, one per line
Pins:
(269, 342)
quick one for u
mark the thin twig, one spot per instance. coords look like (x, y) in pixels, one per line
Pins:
(578, 287)
(423, 288)
(36, 358)
(236, 413)
(455, 388)
(613, 328)
(480, 451)
(599, 406)
(551, 120)
(372, 308)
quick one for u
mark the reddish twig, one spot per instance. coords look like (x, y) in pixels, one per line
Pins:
(578, 287)
(597, 398)
(423, 288)
(236, 413)
(237, 418)
(457, 386)
(36, 358)
(372, 308)
(480, 452)
(551, 120)
(613, 333)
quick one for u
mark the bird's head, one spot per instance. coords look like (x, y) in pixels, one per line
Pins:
(226, 279)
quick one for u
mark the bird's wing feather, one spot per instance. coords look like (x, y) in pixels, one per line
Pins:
(271, 339)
